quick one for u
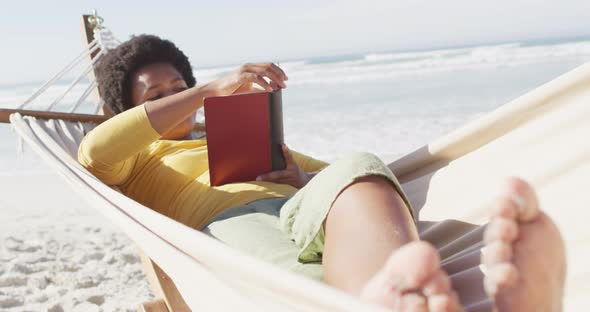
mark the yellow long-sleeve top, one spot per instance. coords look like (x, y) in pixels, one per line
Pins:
(171, 177)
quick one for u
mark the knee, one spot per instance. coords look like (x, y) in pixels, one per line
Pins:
(363, 167)
(374, 181)
(372, 195)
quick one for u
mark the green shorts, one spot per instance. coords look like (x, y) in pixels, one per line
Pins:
(289, 231)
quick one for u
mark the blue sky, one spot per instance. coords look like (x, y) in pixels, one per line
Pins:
(39, 37)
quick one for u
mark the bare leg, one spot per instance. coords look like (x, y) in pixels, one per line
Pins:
(366, 224)
(524, 255)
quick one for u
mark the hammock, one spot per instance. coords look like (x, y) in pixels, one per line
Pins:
(541, 136)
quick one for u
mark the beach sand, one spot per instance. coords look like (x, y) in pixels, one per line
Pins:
(59, 254)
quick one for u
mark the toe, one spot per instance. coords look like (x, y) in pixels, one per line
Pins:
(504, 207)
(411, 266)
(501, 229)
(496, 252)
(437, 285)
(413, 302)
(401, 280)
(524, 197)
(499, 276)
(444, 303)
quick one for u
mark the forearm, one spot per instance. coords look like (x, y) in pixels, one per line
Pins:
(165, 113)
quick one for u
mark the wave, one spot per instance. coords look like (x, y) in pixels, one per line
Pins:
(412, 56)
(388, 65)
(366, 67)
(372, 66)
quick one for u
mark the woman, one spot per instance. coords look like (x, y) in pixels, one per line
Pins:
(350, 216)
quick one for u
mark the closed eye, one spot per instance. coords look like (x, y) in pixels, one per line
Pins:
(159, 96)
(153, 98)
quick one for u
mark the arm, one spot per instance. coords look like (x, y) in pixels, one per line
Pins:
(165, 113)
(111, 149)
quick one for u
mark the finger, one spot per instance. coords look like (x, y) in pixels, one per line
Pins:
(280, 70)
(275, 69)
(274, 85)
(247, 87)
(288, 156)
(268, 71)
(287, 181)
(274, 176)
(252, 77)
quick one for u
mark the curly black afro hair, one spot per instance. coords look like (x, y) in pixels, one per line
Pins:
(115, 69)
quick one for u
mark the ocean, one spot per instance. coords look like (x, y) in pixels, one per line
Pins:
(387, 103)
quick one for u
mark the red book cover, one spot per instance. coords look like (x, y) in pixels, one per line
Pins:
(244, 136)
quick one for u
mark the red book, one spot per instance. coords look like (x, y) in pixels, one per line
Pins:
(244, 136)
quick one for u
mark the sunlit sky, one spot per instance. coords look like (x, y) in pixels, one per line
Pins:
(40, 37)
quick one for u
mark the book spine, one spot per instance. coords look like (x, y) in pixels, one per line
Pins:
(275, 114)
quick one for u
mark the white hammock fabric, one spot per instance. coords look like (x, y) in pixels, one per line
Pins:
(209, 275)
(542, 137)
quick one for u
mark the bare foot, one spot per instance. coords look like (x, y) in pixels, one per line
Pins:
(524, 257)
(411, 280)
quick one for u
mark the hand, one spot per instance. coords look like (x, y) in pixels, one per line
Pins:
(242, 80)
(292, 174)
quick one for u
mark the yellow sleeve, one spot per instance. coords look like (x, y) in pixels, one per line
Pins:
(110, 150)
(306, 163)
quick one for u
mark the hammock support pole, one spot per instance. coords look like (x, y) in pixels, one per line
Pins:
(5, 115)
(98, 119)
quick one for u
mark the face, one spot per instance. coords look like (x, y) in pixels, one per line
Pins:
(156, 81)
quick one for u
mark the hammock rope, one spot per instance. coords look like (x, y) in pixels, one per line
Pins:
(98, 106)
(85, 53)
(84, 95)
(76, 80)
(103, 41)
